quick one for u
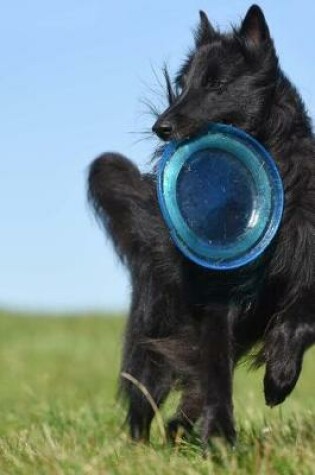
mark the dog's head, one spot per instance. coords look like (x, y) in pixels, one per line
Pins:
(228, 78)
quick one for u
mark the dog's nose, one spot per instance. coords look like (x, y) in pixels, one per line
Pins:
(163, 129)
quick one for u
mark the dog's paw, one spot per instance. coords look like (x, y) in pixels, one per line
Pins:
(177, 430)
(139, 426)
(217, 420)
(280, 379)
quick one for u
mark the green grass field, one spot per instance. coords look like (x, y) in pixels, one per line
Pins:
(58, 413)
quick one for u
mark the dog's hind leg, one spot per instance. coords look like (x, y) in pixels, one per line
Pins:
(153, 313)
(149, 386)
(188, 412)
(126, 202)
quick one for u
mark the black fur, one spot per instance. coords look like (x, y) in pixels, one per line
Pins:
(188, 326)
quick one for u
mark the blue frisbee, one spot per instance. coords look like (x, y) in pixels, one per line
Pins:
(221, 196)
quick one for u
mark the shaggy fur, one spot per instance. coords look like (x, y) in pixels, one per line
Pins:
(189, 326)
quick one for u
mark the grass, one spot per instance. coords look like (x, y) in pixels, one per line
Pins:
(58, 413)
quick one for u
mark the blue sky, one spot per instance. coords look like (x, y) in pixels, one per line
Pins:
(71, 78)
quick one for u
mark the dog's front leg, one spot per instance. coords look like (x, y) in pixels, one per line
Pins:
(216, 371)
(284, 347)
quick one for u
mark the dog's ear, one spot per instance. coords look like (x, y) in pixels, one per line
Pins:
(205, 31)
(254, 28)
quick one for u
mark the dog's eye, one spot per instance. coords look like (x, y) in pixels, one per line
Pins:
(180, 84)
(178, 89)
(217, 85)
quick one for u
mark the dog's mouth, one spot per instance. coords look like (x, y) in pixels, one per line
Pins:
(179, 130)
(182, 133)
(179, 135)
(167, 131)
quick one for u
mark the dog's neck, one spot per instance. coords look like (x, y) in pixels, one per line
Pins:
(287, 122)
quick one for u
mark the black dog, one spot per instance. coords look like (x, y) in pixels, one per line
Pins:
(187, 325)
